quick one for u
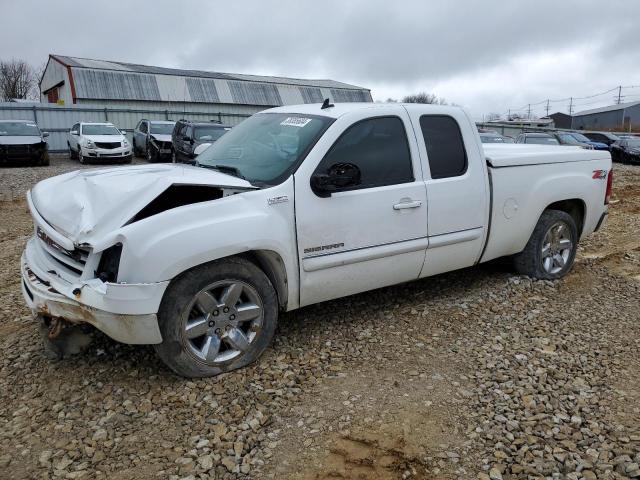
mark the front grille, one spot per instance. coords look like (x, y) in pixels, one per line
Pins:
(108, 145)
(74, 261)
(18, 149)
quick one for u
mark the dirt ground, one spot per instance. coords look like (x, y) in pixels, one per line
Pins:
(477, 373)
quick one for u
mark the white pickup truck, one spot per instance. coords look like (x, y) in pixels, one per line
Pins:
(294, 206)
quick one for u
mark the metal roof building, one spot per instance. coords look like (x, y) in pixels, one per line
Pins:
(71, 80)
(623, 117)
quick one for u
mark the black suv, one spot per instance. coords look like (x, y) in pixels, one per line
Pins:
(21, 141)
(191, 138)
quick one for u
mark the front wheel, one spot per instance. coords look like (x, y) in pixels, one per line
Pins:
(216, 318)
(151, 155)
(551, 250)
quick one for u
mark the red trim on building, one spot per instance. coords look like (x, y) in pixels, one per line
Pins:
(71, 84)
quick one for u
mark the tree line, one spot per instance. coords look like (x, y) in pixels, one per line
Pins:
(19, 80)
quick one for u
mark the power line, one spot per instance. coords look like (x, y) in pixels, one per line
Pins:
(571, 100)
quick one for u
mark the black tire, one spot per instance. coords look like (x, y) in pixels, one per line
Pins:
(530, 260)
(44, 162)
(178, 301)
(134, 148)
(151, 154)
(72, 155)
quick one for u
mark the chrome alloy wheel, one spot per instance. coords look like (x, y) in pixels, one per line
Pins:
(556, 248)
(222, 321)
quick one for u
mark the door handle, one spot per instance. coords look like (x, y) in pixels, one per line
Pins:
(411, 204)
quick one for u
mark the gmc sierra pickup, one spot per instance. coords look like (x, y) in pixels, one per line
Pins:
(294, 206)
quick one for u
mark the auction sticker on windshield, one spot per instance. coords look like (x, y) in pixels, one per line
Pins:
(295, 121)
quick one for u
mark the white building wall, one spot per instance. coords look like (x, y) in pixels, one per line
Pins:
(53, 75)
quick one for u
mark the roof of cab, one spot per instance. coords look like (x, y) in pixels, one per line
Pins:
(339, 109)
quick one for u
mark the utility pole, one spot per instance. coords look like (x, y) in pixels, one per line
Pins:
(509, 115)
(571, 106)
(547, 107)
(619, 101)
(529, 112)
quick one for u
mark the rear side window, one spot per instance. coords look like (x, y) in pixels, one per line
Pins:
(445, 148)
(378, 147)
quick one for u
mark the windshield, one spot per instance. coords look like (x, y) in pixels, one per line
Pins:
(266, 147)
(581, 138)
(491, 139)
(19, 129)
(569, 139)
(542, 140)
(162, 128)
(100, 130)
(209, 134)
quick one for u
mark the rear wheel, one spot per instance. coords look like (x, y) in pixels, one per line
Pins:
(551, 250)
(216, 318)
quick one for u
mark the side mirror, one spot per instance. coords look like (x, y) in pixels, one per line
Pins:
(340, 176)
(74, 132)
(45, 134)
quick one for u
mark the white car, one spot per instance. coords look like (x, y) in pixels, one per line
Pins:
(98, 142)
(298, 205)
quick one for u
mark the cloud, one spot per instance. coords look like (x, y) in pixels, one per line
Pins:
(488, 56)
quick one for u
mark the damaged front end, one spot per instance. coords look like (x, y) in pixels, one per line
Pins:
(81, 265)
(64, 281)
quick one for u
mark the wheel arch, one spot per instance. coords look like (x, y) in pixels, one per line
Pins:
(273, 266)
(270, 262)
(575, 207)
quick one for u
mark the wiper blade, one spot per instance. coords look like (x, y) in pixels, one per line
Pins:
(228, 169)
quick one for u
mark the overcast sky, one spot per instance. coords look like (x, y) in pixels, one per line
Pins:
(487, 56)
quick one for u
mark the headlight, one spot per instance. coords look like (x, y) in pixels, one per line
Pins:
(90, 144)
(125, 143)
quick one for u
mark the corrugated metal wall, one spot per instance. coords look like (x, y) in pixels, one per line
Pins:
(596, 121)
(57, 120)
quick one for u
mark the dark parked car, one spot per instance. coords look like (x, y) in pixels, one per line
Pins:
(626, 150)
(537, 138)
(192, 138)
(595, 144)
(21, 142)
(607, 138)
(566, 138)
(152, 139)
(492, 137)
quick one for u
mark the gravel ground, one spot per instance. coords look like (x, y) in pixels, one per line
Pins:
(15, 181)
(473, 374)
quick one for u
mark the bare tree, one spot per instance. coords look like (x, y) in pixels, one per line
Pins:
(424, 97)
(18, 79)
(493, 117)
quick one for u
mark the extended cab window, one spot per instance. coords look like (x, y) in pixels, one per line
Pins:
(445, 148)
(378, 147)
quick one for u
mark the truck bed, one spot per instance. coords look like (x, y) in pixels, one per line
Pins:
(512, 155)
(526, 179)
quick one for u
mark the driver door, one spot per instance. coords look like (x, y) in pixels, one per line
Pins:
(371, 233)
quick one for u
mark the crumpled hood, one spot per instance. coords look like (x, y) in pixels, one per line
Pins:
(161, 138)
(85, 204)
(19, 139)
